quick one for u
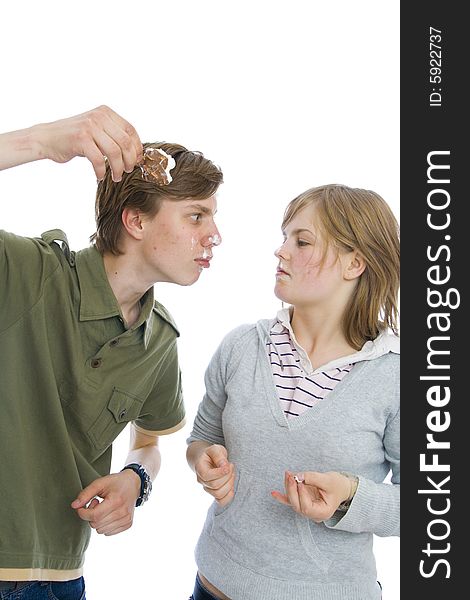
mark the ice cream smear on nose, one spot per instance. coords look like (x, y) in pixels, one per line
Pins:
(204, 260)
(215, 239)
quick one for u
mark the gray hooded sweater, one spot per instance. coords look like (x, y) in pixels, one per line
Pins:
(258, 549)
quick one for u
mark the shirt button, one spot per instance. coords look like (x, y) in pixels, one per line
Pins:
(123, 413)
(95, 363)
(114, 342)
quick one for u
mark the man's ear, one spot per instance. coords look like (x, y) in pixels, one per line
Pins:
(355, 265)
(132, 222)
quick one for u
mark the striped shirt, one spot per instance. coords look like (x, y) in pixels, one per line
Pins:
(299, 386)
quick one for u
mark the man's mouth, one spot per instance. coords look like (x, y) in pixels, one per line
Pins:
(204, 262)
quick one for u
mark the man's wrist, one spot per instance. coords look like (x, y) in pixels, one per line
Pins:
(135, 478)
(34, 142)
(145, 482)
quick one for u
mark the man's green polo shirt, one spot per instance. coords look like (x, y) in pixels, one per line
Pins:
(71, 378)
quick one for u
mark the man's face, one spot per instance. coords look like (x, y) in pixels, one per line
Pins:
(179, 239)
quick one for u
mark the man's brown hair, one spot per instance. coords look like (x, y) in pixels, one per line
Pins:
(194, 176)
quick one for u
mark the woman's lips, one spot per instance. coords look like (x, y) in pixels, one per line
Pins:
(280, 273)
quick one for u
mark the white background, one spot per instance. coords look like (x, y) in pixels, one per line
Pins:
(283, 97)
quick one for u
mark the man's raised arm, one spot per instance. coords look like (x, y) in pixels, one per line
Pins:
(96, 134)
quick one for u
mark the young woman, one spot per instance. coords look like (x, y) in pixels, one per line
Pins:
(299, 425)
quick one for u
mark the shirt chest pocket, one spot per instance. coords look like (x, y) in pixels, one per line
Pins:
(122, 408)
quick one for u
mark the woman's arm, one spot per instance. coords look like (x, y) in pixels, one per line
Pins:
(372, 507)
(214, 471)
(206, 454)
(376, 506)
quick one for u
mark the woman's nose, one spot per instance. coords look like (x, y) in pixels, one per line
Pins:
(281, 251)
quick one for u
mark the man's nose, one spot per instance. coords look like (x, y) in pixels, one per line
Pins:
(212, 239)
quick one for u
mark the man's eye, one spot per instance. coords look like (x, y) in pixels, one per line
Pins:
(196, 217)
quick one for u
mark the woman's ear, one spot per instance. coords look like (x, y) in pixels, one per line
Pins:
(355, 265)
(132, 222)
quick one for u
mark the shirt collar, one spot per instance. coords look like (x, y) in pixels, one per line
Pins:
(97, 300)
(382, 344)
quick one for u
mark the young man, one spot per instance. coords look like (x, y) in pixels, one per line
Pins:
(85, 349)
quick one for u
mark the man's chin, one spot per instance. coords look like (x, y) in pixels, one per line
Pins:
(187, 281)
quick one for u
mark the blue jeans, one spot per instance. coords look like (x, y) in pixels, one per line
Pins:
(43, 590)
(200, 592)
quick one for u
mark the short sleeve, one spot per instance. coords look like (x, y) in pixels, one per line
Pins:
(25, 264)
(163, 411)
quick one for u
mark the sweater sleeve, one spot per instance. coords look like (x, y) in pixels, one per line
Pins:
(375, 507)
(208, 422)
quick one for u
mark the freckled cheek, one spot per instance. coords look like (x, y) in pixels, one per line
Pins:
(166, 241)
(304, 260)
(186, 240)
(305, 266)
(312, 270)
(176, 246)
(314, 280)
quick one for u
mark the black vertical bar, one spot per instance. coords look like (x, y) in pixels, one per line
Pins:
(434, 324)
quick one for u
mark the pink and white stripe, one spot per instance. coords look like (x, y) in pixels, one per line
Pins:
(297, 390)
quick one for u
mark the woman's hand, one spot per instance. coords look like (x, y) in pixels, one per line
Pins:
(216, 473)
(314, 495)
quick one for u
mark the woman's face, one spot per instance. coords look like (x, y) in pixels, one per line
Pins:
(301, 277)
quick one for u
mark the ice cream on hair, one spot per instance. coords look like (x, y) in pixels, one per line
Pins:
(156, 166)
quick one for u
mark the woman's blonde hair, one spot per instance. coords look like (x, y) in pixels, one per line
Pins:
(194, 176)
(354, 219)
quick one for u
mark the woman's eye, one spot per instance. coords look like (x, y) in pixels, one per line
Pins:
(302, 243)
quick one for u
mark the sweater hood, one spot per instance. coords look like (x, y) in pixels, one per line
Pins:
(382, 344)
